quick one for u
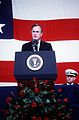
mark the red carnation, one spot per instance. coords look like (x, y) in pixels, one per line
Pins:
(33, 105)
(8, 100)
(63, 106)
(22, 94)
(34, 117)
(59, 100)
(36, 90)
(17, 106)
(52, 91)
(45, 81)
(36, 84)
(68, 117)
(59, 90)
(39, 118)
(52, 96)
(65, 100)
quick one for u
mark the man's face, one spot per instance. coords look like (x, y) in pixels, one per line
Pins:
(36, 33)
(70, 79)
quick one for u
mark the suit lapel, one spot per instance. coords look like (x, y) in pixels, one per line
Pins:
(30, 46)
(41, 45)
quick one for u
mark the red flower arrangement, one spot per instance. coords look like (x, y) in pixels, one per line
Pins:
(38, 104)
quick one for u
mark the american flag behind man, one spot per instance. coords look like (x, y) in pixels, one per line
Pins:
(60, 22)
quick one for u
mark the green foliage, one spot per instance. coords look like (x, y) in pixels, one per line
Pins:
(37, 104)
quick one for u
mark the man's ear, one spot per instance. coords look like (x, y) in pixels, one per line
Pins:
(41, 34)
(74, 78)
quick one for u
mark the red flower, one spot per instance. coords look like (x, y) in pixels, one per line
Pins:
(52, 91)
(5, 112)
(63, 106)
(59, 100)
(52, 96)
(39, 118)
(36, 84)
(8, 100)
(59, 90)
(17, 106)
(36, 90)
(65, 100)
(22, 94)
(20, 84)
(68, 117)
(45, 81)
(34, 117)
(33, 105)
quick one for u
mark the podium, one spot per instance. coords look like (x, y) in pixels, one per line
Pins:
(40, 65)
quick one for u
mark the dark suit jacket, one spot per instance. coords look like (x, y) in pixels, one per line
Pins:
(71, 92)
(43, 46)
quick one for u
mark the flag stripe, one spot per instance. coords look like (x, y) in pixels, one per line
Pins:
(63, 29)
(7, 71)
(45, 9)
(61, 71)
(63, 49)
(8, 84)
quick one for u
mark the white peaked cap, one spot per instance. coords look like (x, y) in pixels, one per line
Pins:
(71, 72)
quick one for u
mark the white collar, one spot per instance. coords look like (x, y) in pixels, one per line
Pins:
(70, 84)
(39, 41)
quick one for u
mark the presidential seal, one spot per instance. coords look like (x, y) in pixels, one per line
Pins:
(34, 62)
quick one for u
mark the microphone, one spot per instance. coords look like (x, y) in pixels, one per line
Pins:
(34, 44)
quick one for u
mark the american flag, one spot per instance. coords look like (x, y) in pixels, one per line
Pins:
(60, 22)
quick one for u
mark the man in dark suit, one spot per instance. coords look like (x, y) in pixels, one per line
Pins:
(70, 90)
(36, 44)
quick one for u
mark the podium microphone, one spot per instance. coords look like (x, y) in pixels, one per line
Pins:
(35, 44)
